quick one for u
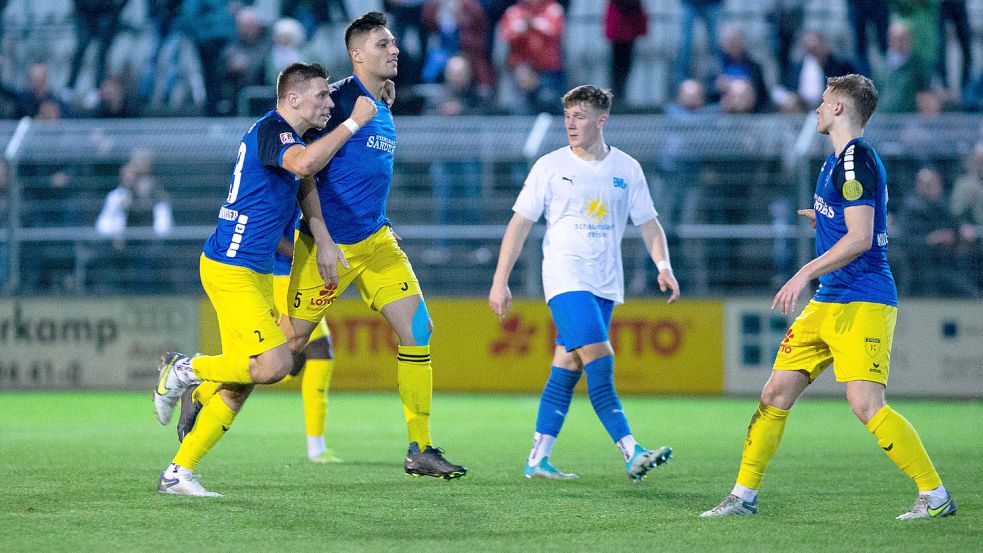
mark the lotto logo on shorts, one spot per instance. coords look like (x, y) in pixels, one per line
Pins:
(323, 299)
(784, 347)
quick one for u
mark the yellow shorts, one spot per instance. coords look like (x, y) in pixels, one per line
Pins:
(243, 301)
(379, 268)
(856, 337)
(280, 285)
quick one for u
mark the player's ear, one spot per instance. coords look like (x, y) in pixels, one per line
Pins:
(602, 120)
(356, 55)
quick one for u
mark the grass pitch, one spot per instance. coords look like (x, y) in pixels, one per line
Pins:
(80, 470)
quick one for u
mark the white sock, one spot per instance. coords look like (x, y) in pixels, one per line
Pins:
(746, 494)
(542, 446)
(627, 446)
(936, 496)
(315, 446)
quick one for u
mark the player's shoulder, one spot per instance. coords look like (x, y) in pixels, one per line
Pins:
(345, 88)
(621, 157)
(858, 150)
(272, 124)
(552, 161)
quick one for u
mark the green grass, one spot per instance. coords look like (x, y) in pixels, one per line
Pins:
(80, 470)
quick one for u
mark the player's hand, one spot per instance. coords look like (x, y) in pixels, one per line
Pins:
(364, 110)
(500, 300)
(389, 92)
(808, 214)
(788, 296)
(667, 281)
(328, 259)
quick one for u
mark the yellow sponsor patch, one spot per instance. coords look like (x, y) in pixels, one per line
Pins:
(852, 189)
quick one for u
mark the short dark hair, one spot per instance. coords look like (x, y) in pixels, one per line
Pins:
(597, 97)
(297, 74)
(859, 90)
(363, 25)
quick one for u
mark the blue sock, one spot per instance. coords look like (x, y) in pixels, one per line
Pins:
(600, 388)
(555, 401)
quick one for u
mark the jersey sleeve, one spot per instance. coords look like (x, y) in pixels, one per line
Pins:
(640, 207)
(858, 179)
(532, 198)
(273, 137)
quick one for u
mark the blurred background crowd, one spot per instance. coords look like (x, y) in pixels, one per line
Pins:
(135, 104)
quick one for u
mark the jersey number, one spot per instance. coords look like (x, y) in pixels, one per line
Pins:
(259, 334)
(297, 300)
(237, 174)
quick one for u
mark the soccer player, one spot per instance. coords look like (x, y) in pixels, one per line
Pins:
(353, 190)
(850, 320)
(273, 172)
(586, 192)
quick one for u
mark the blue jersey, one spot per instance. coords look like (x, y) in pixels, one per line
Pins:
(354, 187)
(281, 263)
(262, 198)
(855, 177)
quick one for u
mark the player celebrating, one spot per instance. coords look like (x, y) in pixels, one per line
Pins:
(586, 192)
(354, 188)
(238, 258)
(850, 321)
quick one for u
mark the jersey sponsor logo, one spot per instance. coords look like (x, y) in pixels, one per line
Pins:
(852, 190)
(596, 209)
(881, 239)
(228, 214)
(873, 346)
(287, 138)
(620, 183)
(380, 142)
(820, 206)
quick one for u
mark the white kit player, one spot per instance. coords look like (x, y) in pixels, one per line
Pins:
(586, 192)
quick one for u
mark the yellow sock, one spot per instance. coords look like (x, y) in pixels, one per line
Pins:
(205, 391)
(900, 441)
(227, 367)
(314, 390)
(214, 420)
(763, 436)
(415, 377)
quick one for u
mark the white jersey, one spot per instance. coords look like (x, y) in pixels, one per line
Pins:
(586, 205)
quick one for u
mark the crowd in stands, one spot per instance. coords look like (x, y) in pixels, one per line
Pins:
(207, 56)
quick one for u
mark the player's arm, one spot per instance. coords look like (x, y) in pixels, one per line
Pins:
(307, 161)
(328, 254)
(654, 238)
(858, 239)
(285, 247)
(500, 297)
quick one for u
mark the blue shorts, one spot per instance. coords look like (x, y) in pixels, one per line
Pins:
(581, 318)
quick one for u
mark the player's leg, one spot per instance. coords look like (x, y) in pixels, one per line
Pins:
(389, 285)
(554, 403)
(213, 422)
(315, 383)
(863, 357)
(802, 356)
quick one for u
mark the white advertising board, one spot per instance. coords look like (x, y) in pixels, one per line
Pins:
(70, 343)
(938, 348)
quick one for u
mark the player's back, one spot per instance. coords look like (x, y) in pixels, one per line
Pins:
(854, 177)
(354, 187)
(262, 198)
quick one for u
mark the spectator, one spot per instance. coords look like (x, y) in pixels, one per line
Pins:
(966, 205)
(736, 64)
(624, 22)
(691, 98)
(954, 11)
(902, 75)
(707, 11)
(94, 20)
(313, 13)
(462, 28)
(785, 18)
(864, 14)
(922, 19)
(456, 182)
(494, 10)
(739, 97)
(289, 46)
(37, 95)
(406, 15)
(243, 60)
(112, 101)
(211, 26)
(162, 17)
(932, 234)
(802, 87)
(533, 30)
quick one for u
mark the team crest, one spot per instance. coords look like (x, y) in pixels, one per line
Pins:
(852, 190)
(873, 347)
(287, 138)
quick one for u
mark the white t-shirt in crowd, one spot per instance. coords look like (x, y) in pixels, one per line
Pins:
(586, 205)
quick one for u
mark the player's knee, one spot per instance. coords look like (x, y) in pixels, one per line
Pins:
(865, 408)
(422, 326)
(776, 396)
(273, 365)
(235, 395)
